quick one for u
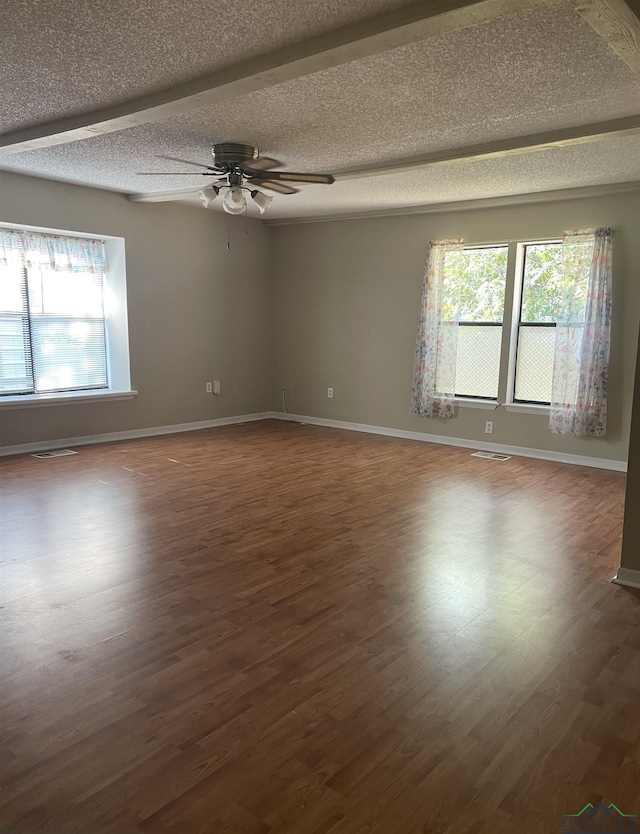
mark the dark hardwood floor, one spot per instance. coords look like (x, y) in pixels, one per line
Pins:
(279, 628)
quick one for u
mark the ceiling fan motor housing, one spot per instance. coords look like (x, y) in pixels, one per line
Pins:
(230, 153)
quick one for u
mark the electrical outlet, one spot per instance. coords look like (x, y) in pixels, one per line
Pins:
(329, 392)
(209, 388)
(216, 386)
(488, 427)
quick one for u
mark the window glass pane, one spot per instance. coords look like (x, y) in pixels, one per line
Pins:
(477, 362)
(474, 284)
(15, 370)
(67, 330)
(12, 298)
(534, 371)
(68, 353)
(474, 289)
(15, 357)
(546, 283)
(52, 330)
(54, 293)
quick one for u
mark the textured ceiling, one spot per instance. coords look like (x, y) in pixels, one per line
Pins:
(59, 57)
(598, 163)
(538, 71)
(527, 73)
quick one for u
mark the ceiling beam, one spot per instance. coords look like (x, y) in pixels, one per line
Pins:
(416, 22)
(503, 147)
(528, 198)
(173, 194)
(471, 153)
(617, 25)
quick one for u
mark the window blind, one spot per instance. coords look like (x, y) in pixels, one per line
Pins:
(16, 374)
(52, 321)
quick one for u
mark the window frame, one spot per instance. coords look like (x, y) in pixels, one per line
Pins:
(510, 329)
(474, 399)
(24, 318)
(511, 403)
(116, 330)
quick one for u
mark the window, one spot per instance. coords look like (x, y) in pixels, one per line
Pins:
(551, 287)
(52, 331)
(473, 304)
(541, 291)
(62, 317)
(557, 329)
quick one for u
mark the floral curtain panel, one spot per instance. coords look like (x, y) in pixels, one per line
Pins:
(56, 252)
(581, 361)
(436, 344)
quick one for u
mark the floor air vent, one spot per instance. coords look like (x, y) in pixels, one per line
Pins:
(491, 456)
(56, 453)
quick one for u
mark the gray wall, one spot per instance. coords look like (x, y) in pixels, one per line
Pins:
(346, 299)
(305, 305)
(631, 534)
(197, 312)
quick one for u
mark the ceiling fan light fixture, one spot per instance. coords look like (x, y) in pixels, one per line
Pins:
(262, 200)
(208, 195)
(234, 201)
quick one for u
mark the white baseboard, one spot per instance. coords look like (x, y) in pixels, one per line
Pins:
(154, 431)
(628, 577)
(539, 454)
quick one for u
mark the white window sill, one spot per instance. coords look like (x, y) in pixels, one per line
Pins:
(489, 405)
(63, 398)
(527, 408)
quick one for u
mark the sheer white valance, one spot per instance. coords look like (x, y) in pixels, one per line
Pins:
(36, 250)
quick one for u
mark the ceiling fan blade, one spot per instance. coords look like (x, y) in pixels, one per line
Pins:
(273, 186)
(262, 163)
(185, 161)
(291, 176)
(175, 173)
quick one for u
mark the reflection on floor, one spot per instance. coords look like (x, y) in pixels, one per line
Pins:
(282, 628)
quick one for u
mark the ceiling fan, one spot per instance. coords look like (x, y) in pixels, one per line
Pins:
(241, 169)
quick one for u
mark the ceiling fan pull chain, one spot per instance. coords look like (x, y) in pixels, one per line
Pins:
(228, 240)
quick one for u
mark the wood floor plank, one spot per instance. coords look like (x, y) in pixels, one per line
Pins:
(285, 628)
